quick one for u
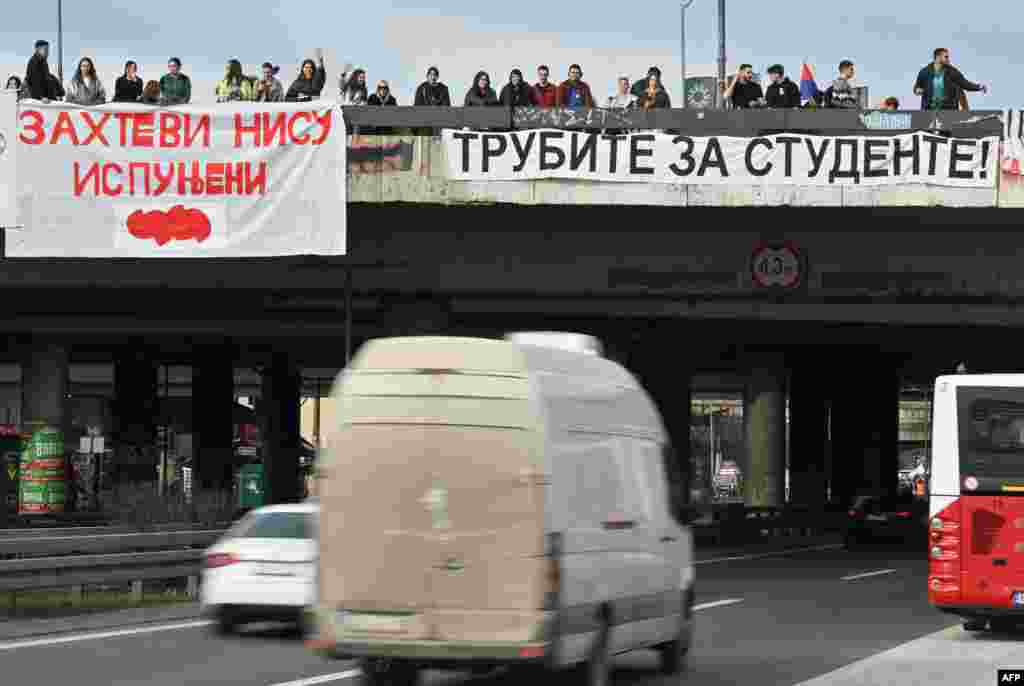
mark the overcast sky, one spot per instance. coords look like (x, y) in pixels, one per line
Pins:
(398, 40)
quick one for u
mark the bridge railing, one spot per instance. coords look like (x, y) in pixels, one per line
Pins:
(743, 123)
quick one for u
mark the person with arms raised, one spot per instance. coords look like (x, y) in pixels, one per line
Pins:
(942, 86)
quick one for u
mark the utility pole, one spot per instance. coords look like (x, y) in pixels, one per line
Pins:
(684, 5)
(721, 53)
(60, 41)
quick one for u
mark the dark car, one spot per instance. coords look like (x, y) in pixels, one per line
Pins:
(898, 518)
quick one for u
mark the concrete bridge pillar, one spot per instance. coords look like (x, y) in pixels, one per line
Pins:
(808, 434)
(213, 395)
(279, 415)
(667, 379)
(764, 413)
(44, 383)
(865, 427)
(136, 379)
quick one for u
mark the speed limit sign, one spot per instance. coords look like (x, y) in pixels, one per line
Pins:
(777, 266)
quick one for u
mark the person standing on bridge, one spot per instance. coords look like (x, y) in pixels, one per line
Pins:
(175, 87)
(269, 88)
(39, 82)
(353, 88)
(842, 94)
(782, 93)
(744, 92)
(545, 93)
(941, 85)
(481, 94)
(433, 93)
(235, 87)
(575, 93)
(14, 84)
(86, 87)
(517, 93)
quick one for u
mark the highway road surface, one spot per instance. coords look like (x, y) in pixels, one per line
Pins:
(824, 617)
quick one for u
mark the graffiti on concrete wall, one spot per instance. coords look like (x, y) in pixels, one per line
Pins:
(375, 155)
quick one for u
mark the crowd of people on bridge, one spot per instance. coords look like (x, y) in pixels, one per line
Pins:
(939, 84)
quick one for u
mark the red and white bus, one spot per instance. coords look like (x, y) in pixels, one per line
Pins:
(976, 508)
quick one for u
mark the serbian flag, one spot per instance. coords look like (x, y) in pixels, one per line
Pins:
(808, 84)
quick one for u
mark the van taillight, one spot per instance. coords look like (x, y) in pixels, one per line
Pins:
(215, 560)
(944, 555)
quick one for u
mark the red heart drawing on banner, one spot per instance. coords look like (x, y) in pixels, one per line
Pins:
(176, 224)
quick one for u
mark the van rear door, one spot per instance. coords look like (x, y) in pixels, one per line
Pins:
(433, 512)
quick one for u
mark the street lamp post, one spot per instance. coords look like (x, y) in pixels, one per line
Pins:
(684, 5)
(721, 52)
(60, 40)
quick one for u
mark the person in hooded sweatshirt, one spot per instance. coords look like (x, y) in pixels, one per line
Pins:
(39, 82)
(310, 82)
(575, 93)
(128, 87)
(353, 88)
(517, 93)
(433, 93)
(481, 94)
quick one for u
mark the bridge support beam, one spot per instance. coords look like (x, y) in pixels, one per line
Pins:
(136, 380)
(213, 395)
(279, 414)
(764, 412)
(808, 435)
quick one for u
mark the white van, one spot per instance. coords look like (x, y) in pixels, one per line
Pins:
(492, 503)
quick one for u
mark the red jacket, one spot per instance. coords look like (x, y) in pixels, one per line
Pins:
(563, 93)
(546, 97)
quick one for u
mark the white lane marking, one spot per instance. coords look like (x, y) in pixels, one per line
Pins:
(865, 575)
(717, 603)
(74, 638)
(777, 553)
(324, 679)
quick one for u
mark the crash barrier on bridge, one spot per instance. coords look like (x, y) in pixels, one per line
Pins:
(78, 558)
(692, 122)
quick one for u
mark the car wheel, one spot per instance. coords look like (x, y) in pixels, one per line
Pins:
(596, 671)
(975, 624)
(673, 654)
(379, 672)
(226, 622)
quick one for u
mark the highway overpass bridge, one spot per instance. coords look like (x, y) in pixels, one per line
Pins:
(825, 297)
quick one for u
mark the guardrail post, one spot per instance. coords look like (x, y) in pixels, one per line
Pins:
(76, 595)
(192, 587)
(137, 591)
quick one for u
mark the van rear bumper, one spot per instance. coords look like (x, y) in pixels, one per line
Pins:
(440, 654)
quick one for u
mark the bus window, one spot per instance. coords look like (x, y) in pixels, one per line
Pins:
(991, 428)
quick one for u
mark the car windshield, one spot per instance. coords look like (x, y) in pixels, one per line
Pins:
(295, 525)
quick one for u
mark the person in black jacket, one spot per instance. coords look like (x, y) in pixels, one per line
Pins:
(39, 82)
(433, 93)
(381, 98)
(744, 92)
(128, 88)
(517, 93)
(310, 83)
(481, 94)
(941, 85)
(782, 93)
(14, 84)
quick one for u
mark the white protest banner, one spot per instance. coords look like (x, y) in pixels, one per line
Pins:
(226, 180)
(785, 159)
(8, 150)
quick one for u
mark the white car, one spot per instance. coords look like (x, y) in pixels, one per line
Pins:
(264, 568)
